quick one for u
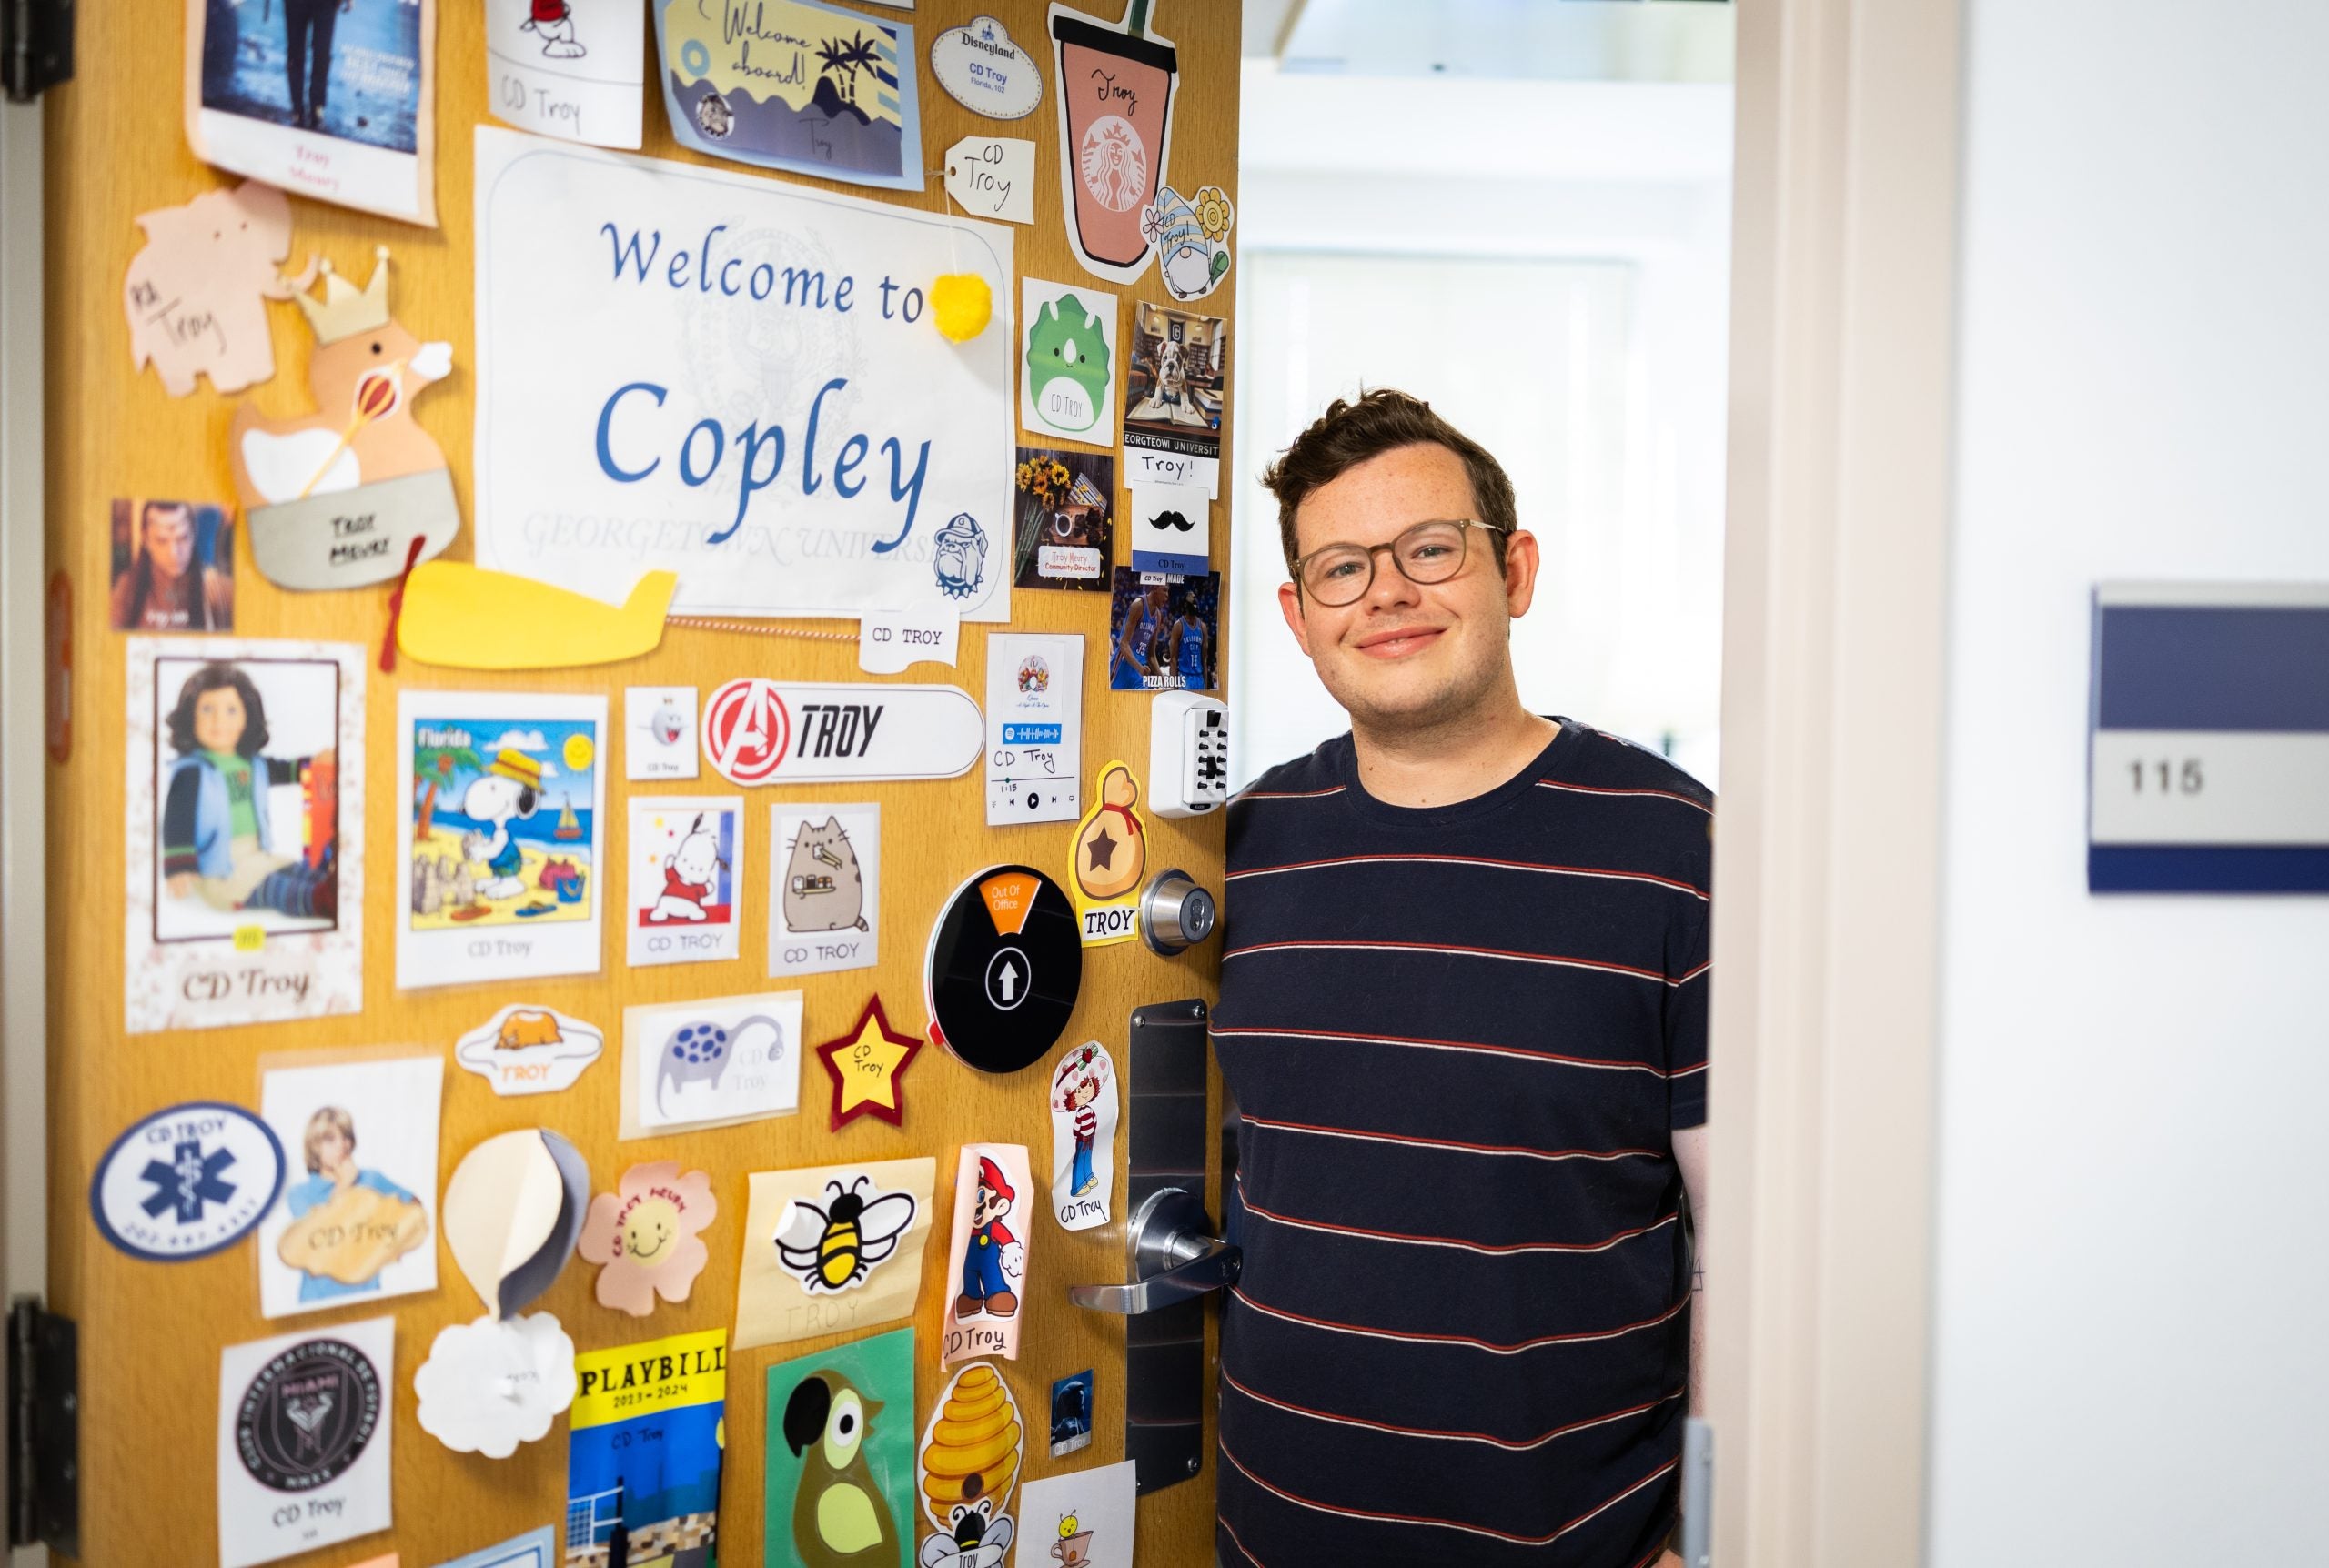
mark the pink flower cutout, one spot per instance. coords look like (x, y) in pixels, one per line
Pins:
(645, 1235)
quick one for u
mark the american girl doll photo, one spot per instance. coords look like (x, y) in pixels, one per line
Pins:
(247, 790)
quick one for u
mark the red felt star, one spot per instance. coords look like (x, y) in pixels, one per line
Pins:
(866, 1064)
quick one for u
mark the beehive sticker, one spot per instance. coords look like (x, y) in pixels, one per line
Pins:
(969, 1461)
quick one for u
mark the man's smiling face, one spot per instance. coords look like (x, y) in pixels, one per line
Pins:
(1406, 654)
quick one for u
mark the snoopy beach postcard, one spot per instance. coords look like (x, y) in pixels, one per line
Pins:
(792, 84)
(500, 835)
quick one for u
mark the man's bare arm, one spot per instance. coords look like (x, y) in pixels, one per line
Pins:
(1690, 1154)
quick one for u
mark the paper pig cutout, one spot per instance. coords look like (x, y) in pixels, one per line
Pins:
(197, 295)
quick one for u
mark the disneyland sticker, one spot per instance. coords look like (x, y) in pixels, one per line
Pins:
(185, 1182)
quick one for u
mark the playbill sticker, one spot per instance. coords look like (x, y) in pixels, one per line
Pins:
(1034, 728)
(335, 102)
(686, 854)
(358, 1215)
(245, 857)
(644, 1446)
(833, 1249)
(710, 1063)
(303, 1440)
(824, 896)
(763, 403)
(500, 835)
(573, 69)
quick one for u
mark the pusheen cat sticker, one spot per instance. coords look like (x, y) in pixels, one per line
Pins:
(824, 898)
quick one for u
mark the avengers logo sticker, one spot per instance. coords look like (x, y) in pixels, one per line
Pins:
(761, 731)
(185, 1182)
(306, 1416)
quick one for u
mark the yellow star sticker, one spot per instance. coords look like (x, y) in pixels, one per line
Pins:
(866, 1065)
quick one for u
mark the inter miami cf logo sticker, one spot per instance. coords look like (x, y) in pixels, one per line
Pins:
(308, 1415)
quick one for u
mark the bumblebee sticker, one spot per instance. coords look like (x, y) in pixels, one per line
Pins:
(833, 1249)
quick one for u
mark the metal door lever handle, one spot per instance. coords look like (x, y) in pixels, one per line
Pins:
(1175, 1254)
(1216, 1267)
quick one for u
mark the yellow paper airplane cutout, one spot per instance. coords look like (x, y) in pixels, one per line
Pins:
(472, 618)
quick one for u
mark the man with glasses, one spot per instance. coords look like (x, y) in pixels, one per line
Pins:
(1463, 1012)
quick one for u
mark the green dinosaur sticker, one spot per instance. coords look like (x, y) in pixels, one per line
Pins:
(1069, 361)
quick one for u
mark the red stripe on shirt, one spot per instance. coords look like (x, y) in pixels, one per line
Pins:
(1452, 1143)
(1557, 960)
(1495, 1249)
(1603, 789)
(1595, 871)
(1595, 1512)
(1538, 1344)
(1599, 1063)
(1508, 1444)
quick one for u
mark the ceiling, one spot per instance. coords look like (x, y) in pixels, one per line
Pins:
(1509, 40)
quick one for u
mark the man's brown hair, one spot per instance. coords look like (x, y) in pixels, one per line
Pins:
(1349, 433)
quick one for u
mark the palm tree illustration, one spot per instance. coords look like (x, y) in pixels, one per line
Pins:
(843, 61)
(432, 766)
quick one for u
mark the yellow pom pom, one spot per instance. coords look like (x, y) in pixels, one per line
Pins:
(962, 304)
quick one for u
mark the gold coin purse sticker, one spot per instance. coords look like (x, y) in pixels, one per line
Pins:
(1110, 860)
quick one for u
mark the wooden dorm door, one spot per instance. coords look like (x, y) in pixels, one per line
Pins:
(151, 1333)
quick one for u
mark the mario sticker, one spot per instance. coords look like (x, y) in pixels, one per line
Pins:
(990, 1250)
(1084, 1136)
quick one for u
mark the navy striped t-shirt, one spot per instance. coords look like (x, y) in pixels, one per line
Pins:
(1459, 1038)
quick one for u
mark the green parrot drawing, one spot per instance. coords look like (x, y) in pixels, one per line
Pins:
(839, 1518)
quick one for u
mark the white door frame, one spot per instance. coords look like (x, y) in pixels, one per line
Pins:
(24, 822)
(1827, 854)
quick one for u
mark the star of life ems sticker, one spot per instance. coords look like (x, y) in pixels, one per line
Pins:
(187, 1180)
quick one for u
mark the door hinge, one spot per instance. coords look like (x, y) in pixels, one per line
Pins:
(35, 46)
(44, 1428)
(1698, 1492)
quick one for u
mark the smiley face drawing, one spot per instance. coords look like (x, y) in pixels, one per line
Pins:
(644, 1236)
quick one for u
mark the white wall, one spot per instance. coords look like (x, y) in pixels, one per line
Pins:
(1590, 223)
(2132, 1355)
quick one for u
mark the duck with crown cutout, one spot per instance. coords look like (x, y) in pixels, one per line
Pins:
(355, 493)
